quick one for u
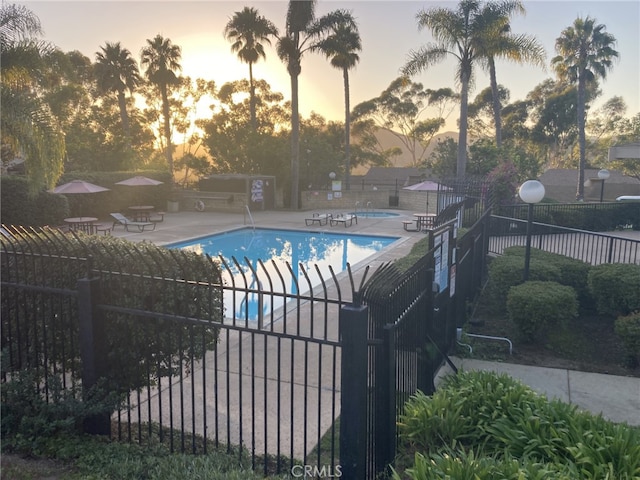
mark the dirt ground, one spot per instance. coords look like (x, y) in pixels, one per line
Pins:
(589, 344)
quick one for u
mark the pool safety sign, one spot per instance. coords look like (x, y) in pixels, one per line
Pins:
(441, 260)
(257, 191)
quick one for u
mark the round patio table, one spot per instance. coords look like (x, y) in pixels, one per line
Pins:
(141, 213)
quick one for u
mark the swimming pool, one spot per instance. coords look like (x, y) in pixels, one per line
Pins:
(375, 214)
(276, 248)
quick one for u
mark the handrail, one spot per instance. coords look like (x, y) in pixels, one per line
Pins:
(253, 224)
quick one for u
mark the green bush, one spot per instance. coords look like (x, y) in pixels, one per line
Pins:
(30, 419)
(537, 306)
(628, 327)
(21, 208)
(483, 424)
(573, 272)
(132, 277)
(615, 288)
(508, 270)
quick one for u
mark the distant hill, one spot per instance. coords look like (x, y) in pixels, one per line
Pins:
(389, 139)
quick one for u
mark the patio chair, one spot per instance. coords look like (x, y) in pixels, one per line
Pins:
(319, 218)
(120, 219)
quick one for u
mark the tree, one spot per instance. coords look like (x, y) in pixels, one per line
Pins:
(161, 58)
(290, 48)
(116, 72)
(247, 30)
(341, 47)
(554, 127)
(27, 126)
(481, 112)
(455, 33)
(585, 54)
(399, 109)
(461, 33)
(497, 41)
(230, 140)
(442, 160)
(303, 33)
(629, 132)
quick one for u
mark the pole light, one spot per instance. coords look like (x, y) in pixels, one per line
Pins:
(531, 192)
(603, 175)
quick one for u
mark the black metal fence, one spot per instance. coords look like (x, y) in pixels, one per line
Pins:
(591, 247)
(290, 385)
(595, 217)
(413, 317)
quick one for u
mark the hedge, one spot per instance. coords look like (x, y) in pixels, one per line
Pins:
(573, 272)
(508, 270)
(20, 208)
(535, 307)
(628, 327)
(133, 276)
(615, 288)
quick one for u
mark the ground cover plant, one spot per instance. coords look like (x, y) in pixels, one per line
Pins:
(489, 425)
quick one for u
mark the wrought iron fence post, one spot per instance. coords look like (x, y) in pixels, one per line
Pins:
(92, 350)
(386, 424)
(353, 399)
(426, 369)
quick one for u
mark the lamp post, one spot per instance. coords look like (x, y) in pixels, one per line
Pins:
(332, 177)
(602, 175)
(531, 192)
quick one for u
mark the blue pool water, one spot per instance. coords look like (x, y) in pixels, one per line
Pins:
(276, 248)
(377, 214)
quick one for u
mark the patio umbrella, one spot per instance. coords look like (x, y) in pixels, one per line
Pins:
(427, 185)
(78, 187)
(139, 181)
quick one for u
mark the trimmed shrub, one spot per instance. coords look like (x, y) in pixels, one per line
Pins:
(628, 327)
(615, 288)
(536, 306)
(507, 270)
(573, 272)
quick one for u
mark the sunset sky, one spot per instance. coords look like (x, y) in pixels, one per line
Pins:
(388, 30)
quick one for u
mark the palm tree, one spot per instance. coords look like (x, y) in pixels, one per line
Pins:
(247, 30)
(341, 46)
(117, 71)
(161, 59)
(27, 126)
(290, 48)
(585, 54)
(498, 41)
(459, 33)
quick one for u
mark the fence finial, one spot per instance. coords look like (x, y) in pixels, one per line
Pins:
(357, 294)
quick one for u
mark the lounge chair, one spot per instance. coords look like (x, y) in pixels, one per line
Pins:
(319, 218)
(120, 219)
(346, 219)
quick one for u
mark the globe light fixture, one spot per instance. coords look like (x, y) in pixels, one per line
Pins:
(530, 192)
(603, 175)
